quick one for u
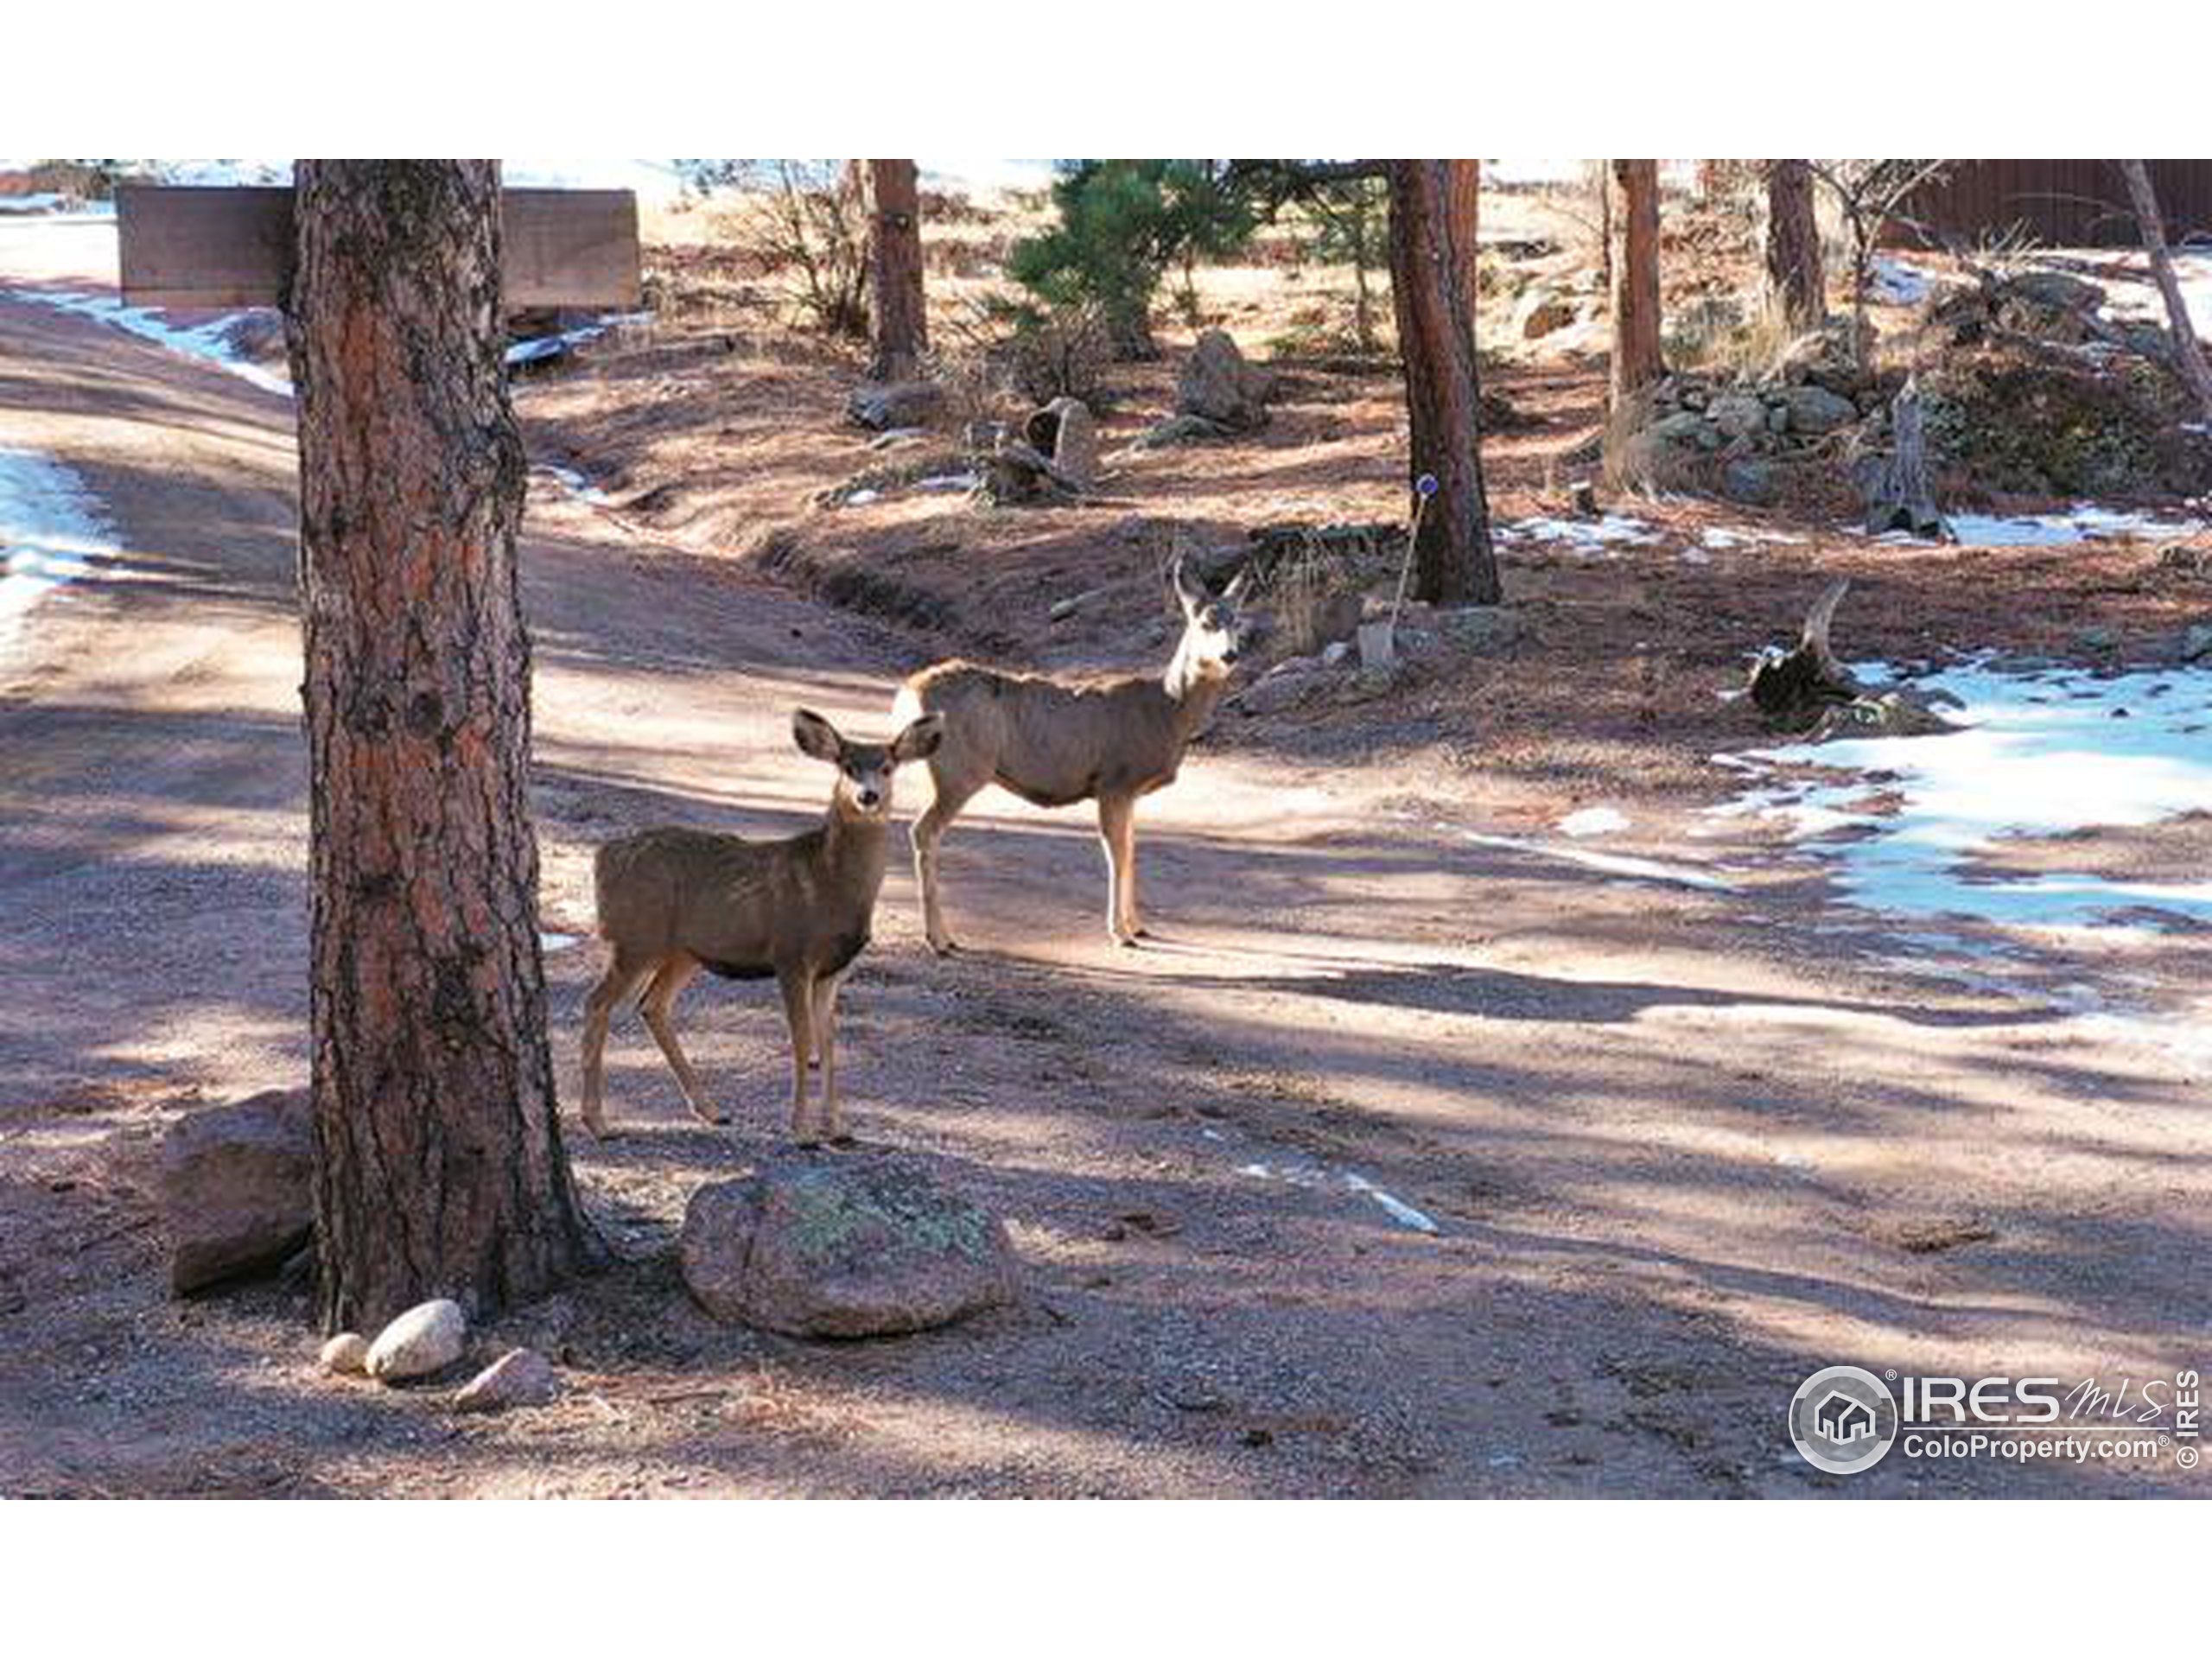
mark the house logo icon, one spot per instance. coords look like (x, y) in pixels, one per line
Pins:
(1843, 1420)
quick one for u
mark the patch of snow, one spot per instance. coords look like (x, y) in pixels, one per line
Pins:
(575, 483)
(34, 201)
(1594, 821)
(2084, 523)
(1314, 1178)
(2043, 752)
(1636, 869)
(1721, 537)
(1898, 283)
(1583, 535)
(949, 481)
(551, 942)
(208, 341)
(1399, 1212)
(542, 346)
(261, 171)
(863, 498)
(51, 530)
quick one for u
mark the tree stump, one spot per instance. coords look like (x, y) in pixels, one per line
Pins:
(1900, 497)
(1794, 689)
(1012, 474)
(1806, 690)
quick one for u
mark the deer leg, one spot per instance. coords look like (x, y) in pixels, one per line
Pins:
(659, 999)
(929, 830)
(621, 977)
(825, 1042)
(1132, 924)
(799, 1010)
(1117, 834)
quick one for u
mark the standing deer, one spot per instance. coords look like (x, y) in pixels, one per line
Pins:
(672, 901)
(1056, 742)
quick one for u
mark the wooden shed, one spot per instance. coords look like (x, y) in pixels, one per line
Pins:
(2057, 204)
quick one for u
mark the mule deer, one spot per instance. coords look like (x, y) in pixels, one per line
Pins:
(672, 901)
(1055, 741)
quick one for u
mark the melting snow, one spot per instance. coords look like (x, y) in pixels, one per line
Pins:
(1635, 869)
(1898, 283)
(575, 483)
(2043, 752)
(51, 528)
(2083, 523)
(1313, 1177)
(542, 347)
(208, 342)
(1594, 821)
(1583, 535)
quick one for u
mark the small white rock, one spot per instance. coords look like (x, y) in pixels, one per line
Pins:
(346, 1354)
(420, 1341)
(521, 1377)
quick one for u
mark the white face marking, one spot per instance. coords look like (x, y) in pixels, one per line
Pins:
(1210, 634)
(864, 783)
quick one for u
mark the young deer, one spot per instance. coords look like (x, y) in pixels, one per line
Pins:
(672, 901)
(1111, 738)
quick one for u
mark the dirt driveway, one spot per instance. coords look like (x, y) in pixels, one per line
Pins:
(1680, 1145)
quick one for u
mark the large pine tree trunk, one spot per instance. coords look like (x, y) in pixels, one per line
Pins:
(439, 1170)
(1795, 278)
(1467, 220)
(2188, 355)
(1635, 278)
(1453, 563)
(901, 324)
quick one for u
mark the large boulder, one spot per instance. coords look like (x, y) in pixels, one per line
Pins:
(843, 1246)
(1814, 410)
(238, 1187)
(1219, 385)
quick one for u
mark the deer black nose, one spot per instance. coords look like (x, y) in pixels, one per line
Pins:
(869, 797)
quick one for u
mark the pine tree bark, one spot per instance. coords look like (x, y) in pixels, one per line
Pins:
(1635, 222)
(440, 1168)
(901, 320)
(1796, 280)
(1453, 561)
(1466, 221)
(2188, 355)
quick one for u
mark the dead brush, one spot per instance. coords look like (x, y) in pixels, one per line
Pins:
(1721, 341)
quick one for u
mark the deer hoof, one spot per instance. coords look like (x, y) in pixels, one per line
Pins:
(844, 1142)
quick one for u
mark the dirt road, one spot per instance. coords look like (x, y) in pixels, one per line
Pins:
(1681, 1145)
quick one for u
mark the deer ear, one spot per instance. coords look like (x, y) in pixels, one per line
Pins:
(919, 740)
(1188, 593)
(817, 736)
(1237, 589)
